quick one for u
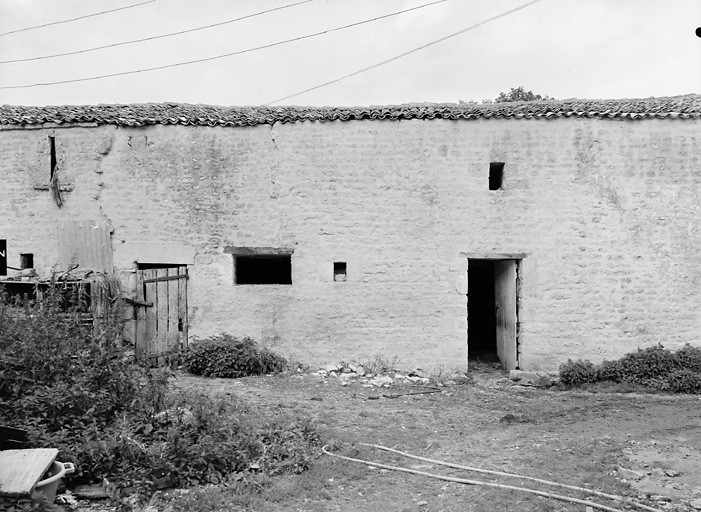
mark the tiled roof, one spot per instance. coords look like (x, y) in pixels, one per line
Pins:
(680, 107)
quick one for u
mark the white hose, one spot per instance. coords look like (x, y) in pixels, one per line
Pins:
(477, 482)
(514, 475)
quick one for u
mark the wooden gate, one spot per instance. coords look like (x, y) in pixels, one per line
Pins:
(161, 313)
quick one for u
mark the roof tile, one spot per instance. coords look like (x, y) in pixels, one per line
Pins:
(684, 107)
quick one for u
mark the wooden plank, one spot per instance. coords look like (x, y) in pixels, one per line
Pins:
(182, 310)
(20, 470)
(505, 303)
(141, 329)
(494, 255)
(162, 314)
(167, 278)
(137, 302)
(173, 312)
(151, 313)
(252, 251)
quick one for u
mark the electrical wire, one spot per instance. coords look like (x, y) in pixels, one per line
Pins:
(96, 48)
(74, 19)
(206, 59)
(396, 57)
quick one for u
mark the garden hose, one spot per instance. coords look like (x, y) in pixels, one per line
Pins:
(489, 484)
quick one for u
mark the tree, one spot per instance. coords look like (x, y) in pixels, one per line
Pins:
(519, 94)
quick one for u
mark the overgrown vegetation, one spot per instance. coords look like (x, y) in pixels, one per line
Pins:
(81, 392)
(226, 356)
(380, 365)
(654, 367)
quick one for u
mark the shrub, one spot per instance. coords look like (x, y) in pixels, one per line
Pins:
(611, 371)
(230, 357)
(653, 367)
(576, 373)
(79, 391)
(648, 363)
(685, 381)
(690, 358)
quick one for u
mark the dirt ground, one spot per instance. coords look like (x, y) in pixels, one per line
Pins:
(643, 446)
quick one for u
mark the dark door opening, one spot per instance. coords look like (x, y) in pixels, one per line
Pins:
(492, 311)
(481, 318)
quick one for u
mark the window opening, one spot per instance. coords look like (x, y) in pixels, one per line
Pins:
(26, 260)
(52, 148)
(496, 175)
(3, 257)
(339, 271)
(263, 269)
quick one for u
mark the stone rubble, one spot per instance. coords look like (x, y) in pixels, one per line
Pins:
(354, 371)
(536, 379)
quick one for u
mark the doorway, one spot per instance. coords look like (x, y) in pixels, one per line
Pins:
(161, 313)
(492, 311)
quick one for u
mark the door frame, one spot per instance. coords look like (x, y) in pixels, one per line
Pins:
(514, 361)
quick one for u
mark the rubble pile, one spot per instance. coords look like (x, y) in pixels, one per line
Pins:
(357, 372)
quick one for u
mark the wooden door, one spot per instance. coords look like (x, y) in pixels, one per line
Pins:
(161, 319)
(505, 275)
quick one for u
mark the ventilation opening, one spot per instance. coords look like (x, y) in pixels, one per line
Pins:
(496, 175)
(52, 149)
(339, 271)
(263, 269)
(26, 261)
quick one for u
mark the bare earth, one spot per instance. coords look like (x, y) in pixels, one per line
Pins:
(574, 437)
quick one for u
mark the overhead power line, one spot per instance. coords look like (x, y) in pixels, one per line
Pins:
(74, 19)
(206, 59)
(86, 50)
(396, 57)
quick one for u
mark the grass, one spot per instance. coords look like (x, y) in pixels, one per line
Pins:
(380, 365)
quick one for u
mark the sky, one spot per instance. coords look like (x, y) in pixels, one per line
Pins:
(560, 48)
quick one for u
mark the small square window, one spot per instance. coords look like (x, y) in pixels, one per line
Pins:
(496, 175)
(26, 260)
(339, 271)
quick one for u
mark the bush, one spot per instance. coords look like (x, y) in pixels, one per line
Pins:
(576, 373)
(648, 363)
(65, 383)
(690, 358)
(80, 391)
(230, 357)
(198, 441)
(685, 381)
(653, 367)
(611, 371)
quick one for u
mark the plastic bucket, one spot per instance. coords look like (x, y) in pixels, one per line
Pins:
(48, 486)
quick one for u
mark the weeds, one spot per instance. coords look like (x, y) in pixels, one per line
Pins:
(380, 365)
(653, 367)
(80, 391)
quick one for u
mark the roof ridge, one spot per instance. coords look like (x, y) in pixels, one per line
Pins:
(139, 114)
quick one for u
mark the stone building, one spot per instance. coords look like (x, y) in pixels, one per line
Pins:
(536, 231)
